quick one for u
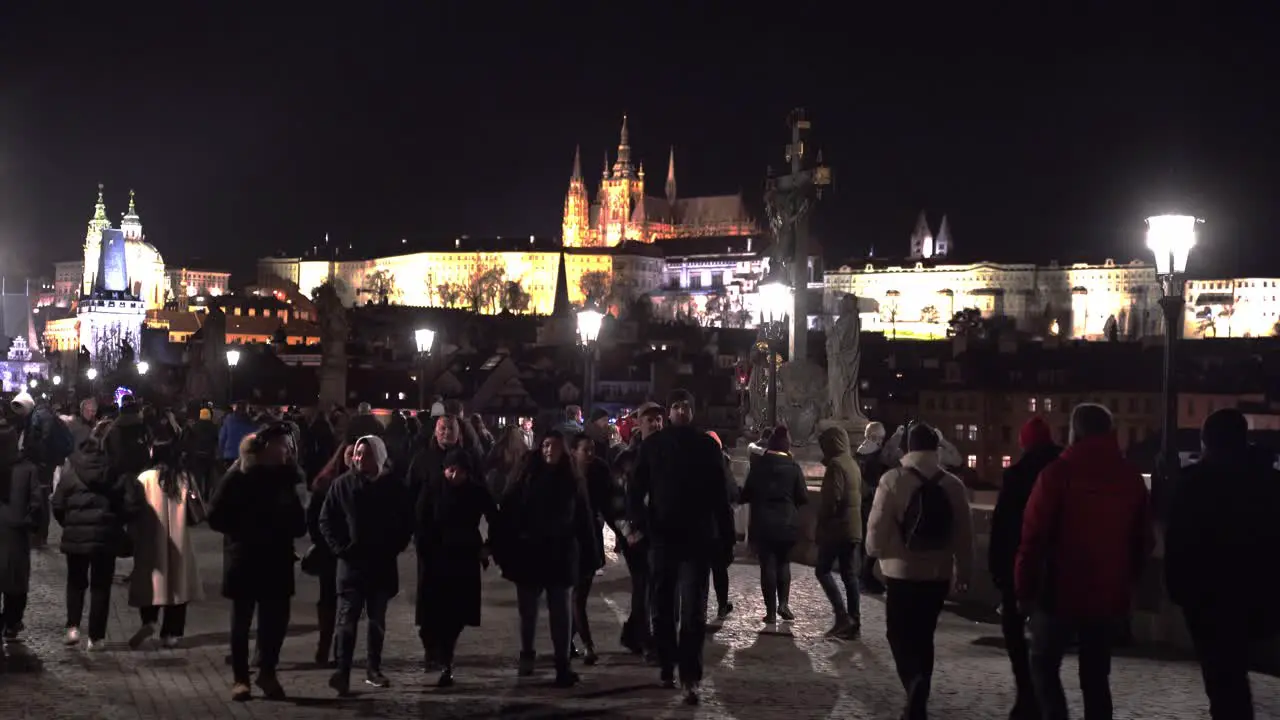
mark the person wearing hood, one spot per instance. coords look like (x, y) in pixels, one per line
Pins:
(871, 466)
(839, 531)
(21, 504)
(366, 522)
(236, 425)
(91, 505)
(258, 511)
(775, 490)
(1038, 451)
(1222, 514)
(921, 529)
(47, 443)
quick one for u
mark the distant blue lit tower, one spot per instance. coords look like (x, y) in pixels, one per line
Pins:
(110, 315)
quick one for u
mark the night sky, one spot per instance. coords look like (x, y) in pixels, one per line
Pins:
(245, 133)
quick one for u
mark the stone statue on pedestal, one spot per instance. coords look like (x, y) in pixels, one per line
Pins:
(334, 332)
(844, 358)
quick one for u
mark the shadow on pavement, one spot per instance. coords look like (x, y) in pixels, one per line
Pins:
(742, 696)
(17, 659)
(224, 638)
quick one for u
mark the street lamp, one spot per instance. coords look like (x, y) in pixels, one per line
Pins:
(424, 339)
(57, 380)
(775, 303)
(233, 359)
(143, 367)
(589, 322)
(1170, 238)
(92, 375)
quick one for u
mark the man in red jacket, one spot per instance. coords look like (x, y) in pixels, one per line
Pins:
(1085, 536)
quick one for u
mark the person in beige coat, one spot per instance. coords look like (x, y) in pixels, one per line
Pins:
(164, 562)
(921, 530)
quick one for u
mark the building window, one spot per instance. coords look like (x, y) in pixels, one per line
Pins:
(959, 431)
(1048, 404)
(972, 461)
(1005, 461)
(1031, 405)
(973, 433)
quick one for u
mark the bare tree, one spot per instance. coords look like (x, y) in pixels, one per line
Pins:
(596, 287)
(450, 293)
(514, 298)
(381, 284)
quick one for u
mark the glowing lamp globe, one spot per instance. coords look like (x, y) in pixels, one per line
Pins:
(424, 338)
(775, 299)
(1170, 238)
(589, 322)
(143, 367)
(91, 373)
(233, 357)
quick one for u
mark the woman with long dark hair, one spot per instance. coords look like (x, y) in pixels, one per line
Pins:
(324, 563)
(165, 574)
(504, 460)
(546, 535)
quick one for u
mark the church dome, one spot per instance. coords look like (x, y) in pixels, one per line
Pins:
(141, 251)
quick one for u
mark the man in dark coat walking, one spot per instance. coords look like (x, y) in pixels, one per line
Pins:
(366, 521)
(20, 506)
(1038, 450)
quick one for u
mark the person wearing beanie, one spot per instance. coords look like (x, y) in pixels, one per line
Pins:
(870, 457)
(20, 507)
(1038, 450)
(366, 522)
(775, 490)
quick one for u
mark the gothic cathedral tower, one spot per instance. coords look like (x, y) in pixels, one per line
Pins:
(93, 242)
(622, 189)
(576, 230)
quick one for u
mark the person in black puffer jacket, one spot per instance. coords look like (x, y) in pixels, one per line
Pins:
(128, 442)
(90, 504)
(775, 490)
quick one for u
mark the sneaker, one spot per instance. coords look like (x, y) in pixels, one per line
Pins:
(144, 633)
(590, 657)
(240, 692)
(270, 685)
(784, 611)
(566, 678)
(341, 683)
(73, 636)
(95, 645)
(375, 678)
(725, 609)
(446, 677)
(840, 627)
(170, 643)
(691, 693)
(525, 669)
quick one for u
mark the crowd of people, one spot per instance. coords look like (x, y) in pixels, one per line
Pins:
(1070, 535)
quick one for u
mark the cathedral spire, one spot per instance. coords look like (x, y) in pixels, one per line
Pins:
(942, 243)
(100, 209)
(131, 224)
(577, 163)
(605, 174)
(622, 167)
(671, 176)
(922, 246)
(561, 307)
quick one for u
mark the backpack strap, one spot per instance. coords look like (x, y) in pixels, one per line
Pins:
(933, 479)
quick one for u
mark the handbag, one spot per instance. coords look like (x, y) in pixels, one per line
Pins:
(197, 510)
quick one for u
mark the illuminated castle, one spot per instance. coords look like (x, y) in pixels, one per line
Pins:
(622, 211)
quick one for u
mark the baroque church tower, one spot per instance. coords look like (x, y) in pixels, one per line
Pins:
(93, 242)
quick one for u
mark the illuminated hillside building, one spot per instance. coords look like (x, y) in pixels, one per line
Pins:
(623, 212)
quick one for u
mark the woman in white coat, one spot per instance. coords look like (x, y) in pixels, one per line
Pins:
(164, 560)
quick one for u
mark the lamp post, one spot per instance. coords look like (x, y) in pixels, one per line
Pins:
(143, 367)
(423, 339)
(92, 375)
(1170, 238)
(233, 359)
(589, 322)
(775, 304)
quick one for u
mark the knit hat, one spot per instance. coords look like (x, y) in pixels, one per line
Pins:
(23, 402)
(378, 447)
(598, 413)
(1034, 433)
(780, 440)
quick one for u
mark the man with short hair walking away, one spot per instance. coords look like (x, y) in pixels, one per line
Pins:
(921, 531)
(1085, 537)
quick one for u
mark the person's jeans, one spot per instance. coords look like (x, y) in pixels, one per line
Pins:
(638, 628)
(93, 573)
(327, 612)
(681, 586)
(40, 536)
(720, 581)
(1050, 638)
(175, 619)
(581, 623)
(775, 574)
(1013, 625)
(1221, 639)
(352, 599)
(911, 609)
(12, 609)
(558, 614)
(844, 554)
(273, 623)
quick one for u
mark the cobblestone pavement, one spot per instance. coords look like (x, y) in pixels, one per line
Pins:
(792, 673)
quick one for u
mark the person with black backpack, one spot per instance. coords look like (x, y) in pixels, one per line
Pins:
(921, 530)
(46, 442)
